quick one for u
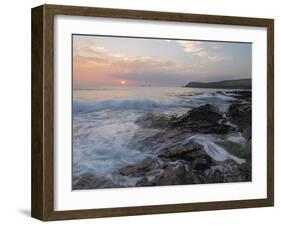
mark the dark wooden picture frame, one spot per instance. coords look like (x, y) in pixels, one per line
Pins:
(42, 203)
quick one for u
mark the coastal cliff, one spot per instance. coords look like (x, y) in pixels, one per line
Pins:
(226, 84)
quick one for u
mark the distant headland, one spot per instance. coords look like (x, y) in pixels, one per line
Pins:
(225, 84)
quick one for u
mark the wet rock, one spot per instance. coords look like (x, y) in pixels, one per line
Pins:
(88, 181)
(216, 176)
(189, 163)
(153, 120)
(144, 182)
(240, 113)
(241, 116)
(141, 167)
(202, 163)
(232, 172)
(191, 152)
(204, 119)
(171, 133)
(151, 178)
(245, 170)
(174, 174)
(201, 170)
(205, 113)
(187, 152)
(247, 132)
(240, 94)
(240, 148)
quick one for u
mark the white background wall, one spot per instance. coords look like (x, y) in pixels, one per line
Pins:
(15, 112)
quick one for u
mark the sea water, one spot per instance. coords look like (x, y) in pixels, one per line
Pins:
(104, 124)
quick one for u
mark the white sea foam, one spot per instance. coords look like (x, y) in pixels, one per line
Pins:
(212, 94)
(237, 138)
(100, 139)
(214, 150)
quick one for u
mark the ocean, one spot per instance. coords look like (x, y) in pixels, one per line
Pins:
(107, 137)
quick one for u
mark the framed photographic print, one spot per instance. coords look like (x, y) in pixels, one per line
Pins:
(141, 112)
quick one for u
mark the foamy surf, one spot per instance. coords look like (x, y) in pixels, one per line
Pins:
(214, 150)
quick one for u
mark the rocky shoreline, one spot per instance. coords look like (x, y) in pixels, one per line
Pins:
(205, 146)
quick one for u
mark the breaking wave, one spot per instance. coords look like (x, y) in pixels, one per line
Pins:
(214, 150)
(146, 104)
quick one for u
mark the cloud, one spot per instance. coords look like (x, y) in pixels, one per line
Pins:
(94, 63)
(90, 50)
(97, 55)
(197, 48)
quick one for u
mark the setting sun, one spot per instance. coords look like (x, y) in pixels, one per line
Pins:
(123, 82)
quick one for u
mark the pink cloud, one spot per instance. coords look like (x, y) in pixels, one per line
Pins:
(93, 64)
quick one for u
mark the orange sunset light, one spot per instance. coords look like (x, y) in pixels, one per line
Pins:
(123, 82)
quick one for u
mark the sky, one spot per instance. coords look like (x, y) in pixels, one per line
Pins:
(123, 61)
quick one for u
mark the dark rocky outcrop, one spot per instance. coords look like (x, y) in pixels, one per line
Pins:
(153, 120)
(141, 167)
(199, 167)
(191, 152)
(241, 94)
(173, 174)
(186, 152)
(241, 116)
(226, 84)
(88, 181)
(204, 119)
